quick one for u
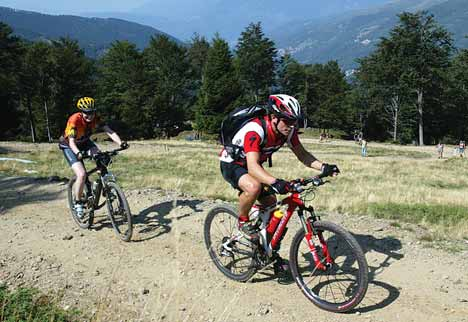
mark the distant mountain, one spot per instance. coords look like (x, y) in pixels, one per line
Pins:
(182, 18)
(93, 34)
(345, 38)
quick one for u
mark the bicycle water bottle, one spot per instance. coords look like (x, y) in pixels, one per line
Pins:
(274, 221)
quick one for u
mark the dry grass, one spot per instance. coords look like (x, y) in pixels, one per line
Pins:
(403, 183)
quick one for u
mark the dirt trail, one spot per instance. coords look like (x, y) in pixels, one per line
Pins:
(165, 274)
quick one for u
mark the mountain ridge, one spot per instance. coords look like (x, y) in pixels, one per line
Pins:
(348, 37)
(93, 34)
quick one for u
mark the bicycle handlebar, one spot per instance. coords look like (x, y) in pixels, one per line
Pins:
(100, 153)
(299, 184)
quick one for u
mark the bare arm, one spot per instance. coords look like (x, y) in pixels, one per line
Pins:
(73, 146)
(114, 136)
(306, 157)
(256, 170)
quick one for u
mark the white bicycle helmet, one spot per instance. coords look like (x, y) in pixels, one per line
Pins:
(285, 106)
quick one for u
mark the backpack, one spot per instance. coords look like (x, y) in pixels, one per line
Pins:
(234, 121)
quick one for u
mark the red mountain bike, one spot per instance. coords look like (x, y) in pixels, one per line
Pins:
(325, 260)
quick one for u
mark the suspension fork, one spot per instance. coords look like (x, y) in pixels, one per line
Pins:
(309, 234)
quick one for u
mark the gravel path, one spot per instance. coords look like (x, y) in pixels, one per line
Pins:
(165, 273)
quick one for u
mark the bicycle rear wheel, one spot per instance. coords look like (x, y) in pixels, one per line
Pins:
(119, 211)
(342, 285)
(232, 255)
(87, 220)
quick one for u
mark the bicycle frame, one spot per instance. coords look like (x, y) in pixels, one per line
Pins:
(104, 177)
(293, 202)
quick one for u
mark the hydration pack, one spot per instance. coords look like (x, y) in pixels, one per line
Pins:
(234, 121)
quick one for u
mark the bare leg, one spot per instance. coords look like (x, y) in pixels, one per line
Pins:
(251, 188)
(80, 174)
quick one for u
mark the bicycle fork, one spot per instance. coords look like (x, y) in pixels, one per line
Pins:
(309, 236)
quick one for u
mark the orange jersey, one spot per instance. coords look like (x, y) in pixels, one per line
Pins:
(79, 129)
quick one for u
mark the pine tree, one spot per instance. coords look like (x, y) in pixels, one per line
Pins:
(121, 90)
(36, 80)
(11, 51)
(219, 90)
(256, 62)
(169, 85)
(73, 78)
(457, 97)
(325, 91)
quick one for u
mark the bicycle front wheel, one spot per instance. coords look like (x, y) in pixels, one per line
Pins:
(233, 256)
(119, 211)
(87, 219)
(338, 286)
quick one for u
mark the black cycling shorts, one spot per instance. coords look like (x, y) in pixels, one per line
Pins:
(232, 173)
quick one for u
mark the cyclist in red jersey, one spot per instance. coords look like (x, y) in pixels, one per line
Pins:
(246, 173)
(76, 141)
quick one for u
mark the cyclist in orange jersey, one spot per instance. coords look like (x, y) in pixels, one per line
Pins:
(76, 141)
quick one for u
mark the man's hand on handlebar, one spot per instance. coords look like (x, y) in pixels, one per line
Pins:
(281, 186)
(329, 170)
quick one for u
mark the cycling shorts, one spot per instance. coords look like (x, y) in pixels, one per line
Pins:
(232, 173)
(70, 156)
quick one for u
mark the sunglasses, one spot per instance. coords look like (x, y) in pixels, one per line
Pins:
(290, 123)
(89, 113)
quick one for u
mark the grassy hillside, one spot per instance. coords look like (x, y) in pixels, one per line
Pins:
(407, 184)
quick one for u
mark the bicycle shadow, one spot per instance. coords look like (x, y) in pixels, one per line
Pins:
(380, 294)
(18, 191)
(152, 221)
(157, 219)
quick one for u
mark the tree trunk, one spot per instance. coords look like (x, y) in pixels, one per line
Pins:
(31, 120)
(395, 126)
(396, 109)
(420, 112)
(47, 121)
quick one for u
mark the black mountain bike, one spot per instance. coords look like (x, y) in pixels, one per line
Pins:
(104, 186)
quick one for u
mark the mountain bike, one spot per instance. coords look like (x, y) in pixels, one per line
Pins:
(325, 260)
(105, 186)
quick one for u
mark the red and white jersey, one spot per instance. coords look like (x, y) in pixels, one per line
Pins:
(251, 136)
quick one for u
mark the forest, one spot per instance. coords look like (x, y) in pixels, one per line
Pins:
(412, 89)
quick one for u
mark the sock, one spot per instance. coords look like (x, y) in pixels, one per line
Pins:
(243, 219)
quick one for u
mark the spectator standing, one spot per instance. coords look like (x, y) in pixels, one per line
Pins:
(440, 150)
(461, 149)
(363, 147)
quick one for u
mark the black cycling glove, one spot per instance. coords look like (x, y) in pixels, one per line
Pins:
(124, 145)
(329, 169)
(281, 186)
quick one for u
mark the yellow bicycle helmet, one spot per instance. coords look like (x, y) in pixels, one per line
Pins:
(86, 104)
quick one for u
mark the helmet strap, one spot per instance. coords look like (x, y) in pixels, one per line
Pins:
(275, 125)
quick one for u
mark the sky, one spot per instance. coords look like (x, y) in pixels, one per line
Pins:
(73, 6)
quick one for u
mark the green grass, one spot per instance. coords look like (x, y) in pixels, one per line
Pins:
(28, 305)
(450, 215)
(402, 183)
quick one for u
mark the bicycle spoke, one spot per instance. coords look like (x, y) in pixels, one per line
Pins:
(343, 283)
(235, 260)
